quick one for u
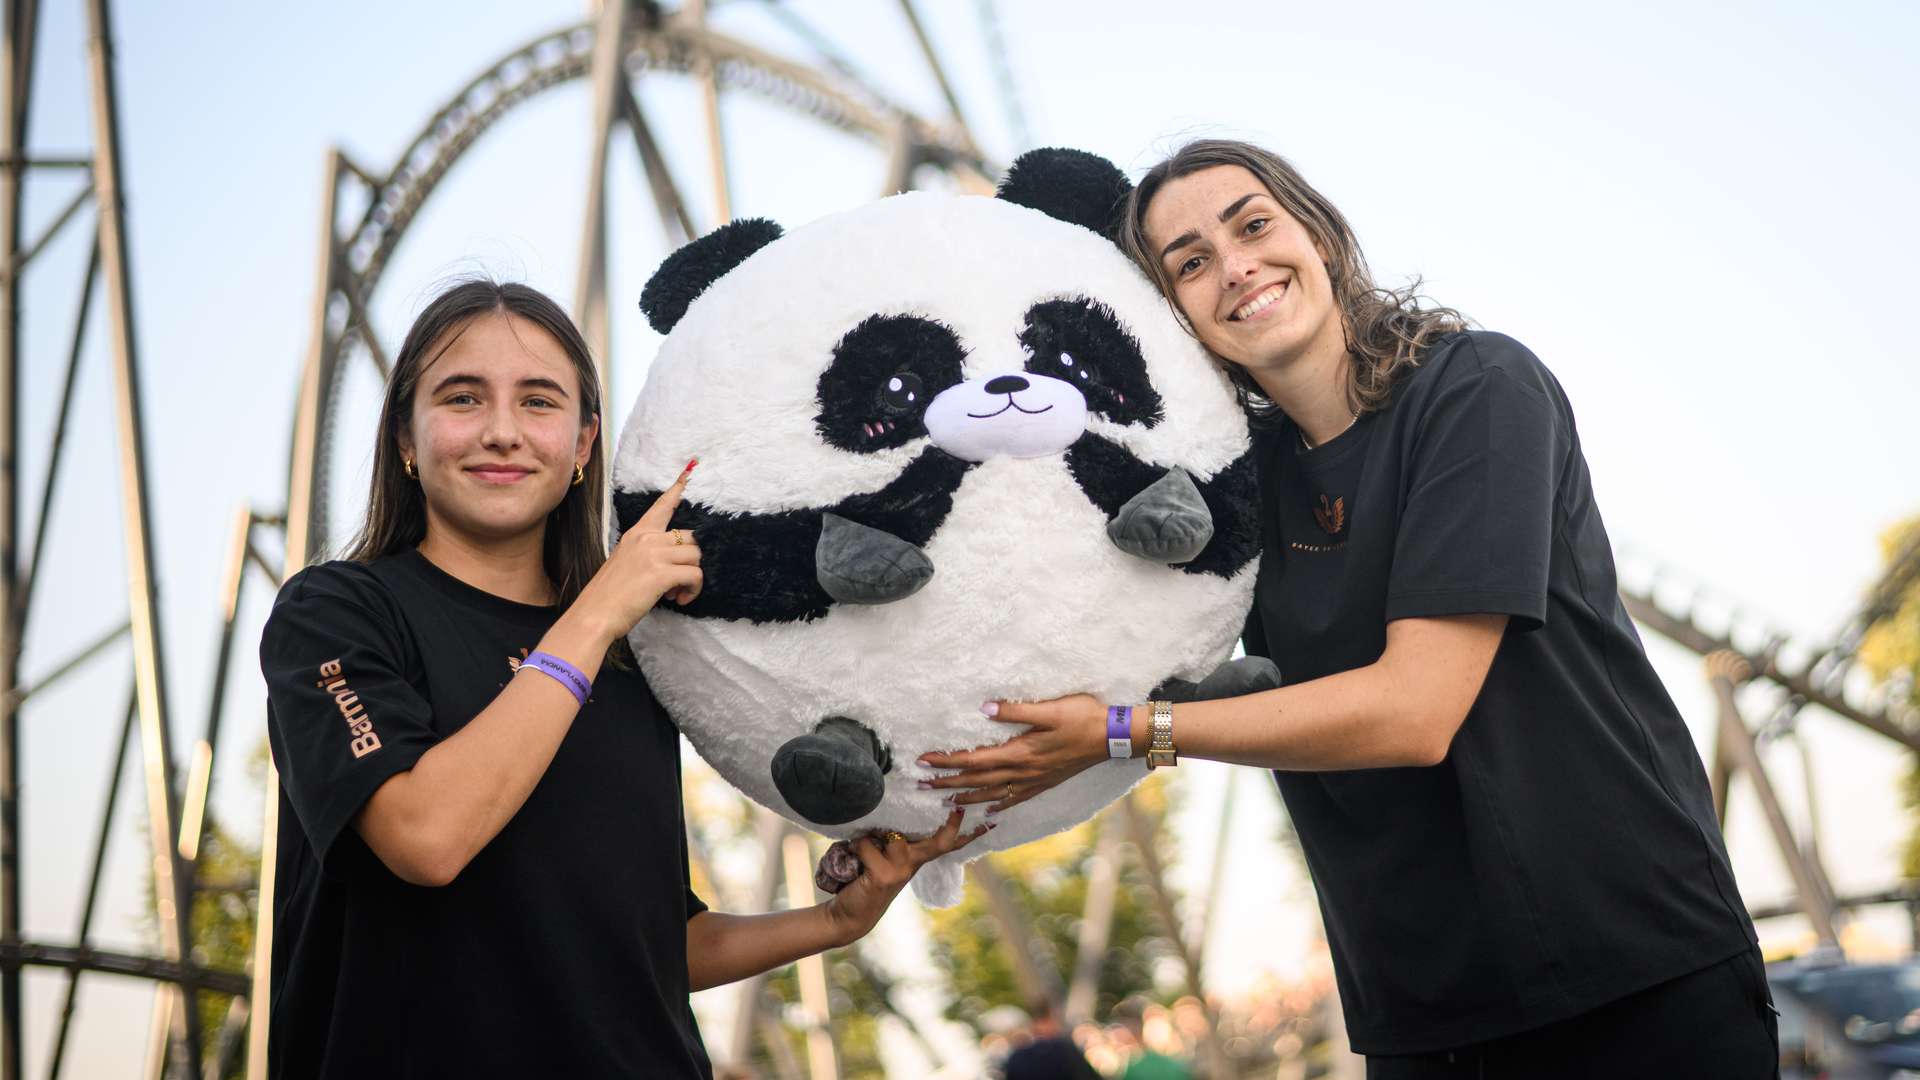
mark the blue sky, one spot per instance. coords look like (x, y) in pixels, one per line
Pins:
(1700, 217)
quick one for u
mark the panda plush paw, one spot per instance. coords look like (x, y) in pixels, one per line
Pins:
(1247, 675)
(857, 564)
(1168, 522)
(834, 774)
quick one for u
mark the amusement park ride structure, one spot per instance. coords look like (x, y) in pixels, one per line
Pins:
(366, 214)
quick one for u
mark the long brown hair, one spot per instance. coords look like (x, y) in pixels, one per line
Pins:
(1386, 329)
(576, 540)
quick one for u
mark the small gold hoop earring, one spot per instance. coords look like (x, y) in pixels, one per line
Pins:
(579, 475)
(406, 466)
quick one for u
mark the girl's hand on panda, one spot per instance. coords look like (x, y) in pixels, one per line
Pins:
(1064, 737)
(649, 563)
(885, 868)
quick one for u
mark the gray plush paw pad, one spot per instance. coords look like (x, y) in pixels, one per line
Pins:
(1168, 522)
(857, 564)
(1247, 675)
(834, 774)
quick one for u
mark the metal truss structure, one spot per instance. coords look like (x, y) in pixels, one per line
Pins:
(365, 215)
(627, 40)
(1752, 669)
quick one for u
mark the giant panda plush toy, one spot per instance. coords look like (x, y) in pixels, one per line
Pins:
(952, 449)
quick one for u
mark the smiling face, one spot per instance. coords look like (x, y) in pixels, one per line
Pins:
(496, 430)
(1250, 279)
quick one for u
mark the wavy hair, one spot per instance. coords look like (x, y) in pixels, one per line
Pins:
(1387, 330)
(575, 542)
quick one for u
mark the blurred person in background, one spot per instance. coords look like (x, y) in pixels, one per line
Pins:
(1049, 1053)
(1145, 1062)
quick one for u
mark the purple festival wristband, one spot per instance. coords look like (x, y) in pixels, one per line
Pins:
(1119, 731)
(561, 672)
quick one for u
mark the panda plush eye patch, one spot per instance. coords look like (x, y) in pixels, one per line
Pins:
(873, 395)
(1081, 342)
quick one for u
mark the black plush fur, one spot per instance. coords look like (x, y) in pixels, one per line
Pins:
(760, 567)
(1110, 475)
(1106, 365)
(1071, 185)
(859, 411)
(687, 273)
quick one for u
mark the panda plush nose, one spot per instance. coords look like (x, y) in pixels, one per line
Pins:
(982, 418)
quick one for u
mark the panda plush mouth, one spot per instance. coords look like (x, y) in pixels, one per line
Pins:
(1011, 404)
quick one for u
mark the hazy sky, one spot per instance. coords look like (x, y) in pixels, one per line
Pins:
(1700, 217)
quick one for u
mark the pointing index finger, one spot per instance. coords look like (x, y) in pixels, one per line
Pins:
(661, 512)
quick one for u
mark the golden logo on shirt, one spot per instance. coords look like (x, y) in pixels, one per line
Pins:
(1332, 516)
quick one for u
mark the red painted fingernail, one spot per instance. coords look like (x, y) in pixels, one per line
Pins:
(990, 708)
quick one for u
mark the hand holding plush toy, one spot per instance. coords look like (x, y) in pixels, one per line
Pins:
(952, 449)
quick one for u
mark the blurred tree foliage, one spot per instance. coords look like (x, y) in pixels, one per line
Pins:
(1891, 650)
(223, 922)
(1048, 879)
(224, 914)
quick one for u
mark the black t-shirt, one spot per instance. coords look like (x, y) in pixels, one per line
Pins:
(1565, 853)
(560, 950)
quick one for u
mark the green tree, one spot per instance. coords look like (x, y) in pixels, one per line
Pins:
(1048, 879)
(1891, 650)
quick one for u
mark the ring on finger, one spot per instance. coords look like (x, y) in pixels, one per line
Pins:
(1009, 793)
(892, 836)
(679, 536)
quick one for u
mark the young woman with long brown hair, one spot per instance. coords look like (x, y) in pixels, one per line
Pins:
(1503, 812)
(482, 861)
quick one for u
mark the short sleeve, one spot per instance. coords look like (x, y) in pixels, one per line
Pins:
(341, 718)
(1476, 531)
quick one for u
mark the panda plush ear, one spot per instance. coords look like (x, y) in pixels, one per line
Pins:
(1072, 185)
(687, 273)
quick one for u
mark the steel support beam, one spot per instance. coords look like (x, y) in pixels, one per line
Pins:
(608, 77)
(16, 82)
(93, 884)
(1725, 672)
(1685, 632)
(1096, 925)
(303, 544)
(822, 1063)
(172, 877)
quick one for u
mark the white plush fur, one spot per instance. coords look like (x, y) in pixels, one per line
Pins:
(1029, 598)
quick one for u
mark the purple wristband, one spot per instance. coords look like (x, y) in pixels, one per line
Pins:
(1119, 731)
(561, 672)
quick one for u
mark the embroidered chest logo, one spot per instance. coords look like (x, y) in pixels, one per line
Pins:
(1332, 516)
(334, 682)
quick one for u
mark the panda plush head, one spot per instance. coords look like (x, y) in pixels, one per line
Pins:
(951, 449)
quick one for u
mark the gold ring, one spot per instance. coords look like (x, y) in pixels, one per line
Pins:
(1009, 794)
(890, 836)
(679, 537)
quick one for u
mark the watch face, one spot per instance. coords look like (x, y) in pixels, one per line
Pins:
(1157, 758)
